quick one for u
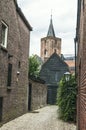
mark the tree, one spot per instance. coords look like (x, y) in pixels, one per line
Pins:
(33, 66)
(66, 99)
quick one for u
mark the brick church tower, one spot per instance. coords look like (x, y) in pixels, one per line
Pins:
(50, 44)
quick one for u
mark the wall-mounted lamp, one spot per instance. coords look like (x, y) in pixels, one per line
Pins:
(18, 72)
(67, 76)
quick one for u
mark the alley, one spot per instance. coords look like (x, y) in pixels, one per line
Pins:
(41, 119)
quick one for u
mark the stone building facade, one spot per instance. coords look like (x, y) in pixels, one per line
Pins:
(80, 42)
(50, 44)
(51, 72)
(37, 94)
(14, 50)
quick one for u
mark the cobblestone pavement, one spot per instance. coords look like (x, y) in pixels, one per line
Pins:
(41, 119)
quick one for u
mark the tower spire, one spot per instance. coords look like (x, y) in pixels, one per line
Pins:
(51, 28)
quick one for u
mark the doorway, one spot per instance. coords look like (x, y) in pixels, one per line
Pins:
(1, 104)
(29, 96)
(52, 95)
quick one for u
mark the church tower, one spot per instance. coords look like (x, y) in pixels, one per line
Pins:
(50, 44)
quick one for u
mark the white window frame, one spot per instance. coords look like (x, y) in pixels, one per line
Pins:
(4, 44)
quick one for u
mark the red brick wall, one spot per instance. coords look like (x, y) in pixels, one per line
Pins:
(81, 69)
(50, 44)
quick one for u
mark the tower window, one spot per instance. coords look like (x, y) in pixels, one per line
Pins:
(83, 5)
(4, 34)
(45, 52)
(55, 50)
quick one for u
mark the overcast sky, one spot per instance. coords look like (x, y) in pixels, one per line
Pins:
(38, 14)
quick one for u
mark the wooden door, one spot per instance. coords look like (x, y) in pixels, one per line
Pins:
(29, 97)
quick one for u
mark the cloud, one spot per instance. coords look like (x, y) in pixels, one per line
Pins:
(64, 20)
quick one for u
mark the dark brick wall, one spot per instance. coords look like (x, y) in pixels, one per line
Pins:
(15, 100)
(39, 95)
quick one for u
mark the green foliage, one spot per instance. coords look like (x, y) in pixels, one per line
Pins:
(33, 66)
(66, 99)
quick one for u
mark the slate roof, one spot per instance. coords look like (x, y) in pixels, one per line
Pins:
(51, 29)
(53, 69)
(56, 61)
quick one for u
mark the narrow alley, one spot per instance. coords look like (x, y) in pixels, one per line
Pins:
(41, 119)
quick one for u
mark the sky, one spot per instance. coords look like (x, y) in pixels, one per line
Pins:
(38, 14)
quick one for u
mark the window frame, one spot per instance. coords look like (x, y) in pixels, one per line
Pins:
(4, 42)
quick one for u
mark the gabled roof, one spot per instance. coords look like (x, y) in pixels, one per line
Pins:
(51, 29)
(53, 70)
(22, 16)
(55, 62)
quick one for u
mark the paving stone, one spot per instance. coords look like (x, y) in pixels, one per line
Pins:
(44, 119)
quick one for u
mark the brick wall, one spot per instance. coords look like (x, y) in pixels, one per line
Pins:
(81, 67)
(15, 99)
(39, 95)
(50, 44)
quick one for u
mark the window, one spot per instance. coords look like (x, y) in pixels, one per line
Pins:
(4, 34)
(1, 105)
(56, 76)
(83, 5)
(9, 74)
(19, 65)
(45, 52)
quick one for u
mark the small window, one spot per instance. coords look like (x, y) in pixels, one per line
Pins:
(56, 76)
(4, 34)
(83, 5)
(45, 52)
(9, 74)
(19, 65)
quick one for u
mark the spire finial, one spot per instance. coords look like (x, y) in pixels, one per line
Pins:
(51, 13)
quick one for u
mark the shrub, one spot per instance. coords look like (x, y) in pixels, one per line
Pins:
(33, 66)
(66, 99)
